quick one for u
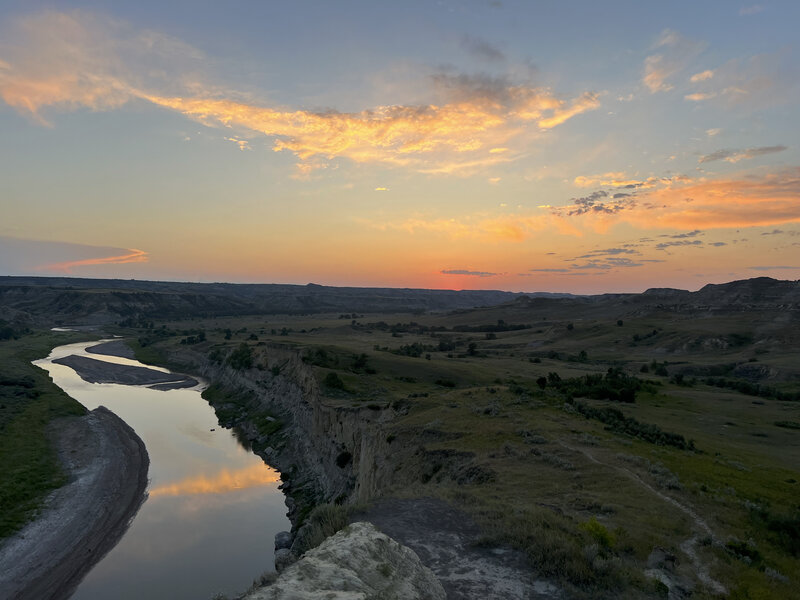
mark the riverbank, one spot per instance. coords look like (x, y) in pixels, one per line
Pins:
(106, 464)
(100, 371)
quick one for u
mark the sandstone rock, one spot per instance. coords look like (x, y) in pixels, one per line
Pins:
(283, 558)
(358, 563)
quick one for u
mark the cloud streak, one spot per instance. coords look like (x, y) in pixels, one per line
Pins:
(66, 267)
(734, 156)
(468, 273)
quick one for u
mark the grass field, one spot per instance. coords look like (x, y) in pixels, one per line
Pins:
(588, 500)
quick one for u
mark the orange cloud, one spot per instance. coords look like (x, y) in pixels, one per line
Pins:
(747, 201)
(459, 136)
(133, 256)
(700, 96)
(676, 203)
(702, 76)
(225, 481)
(74, 60)
(614, 179)
(727, 203)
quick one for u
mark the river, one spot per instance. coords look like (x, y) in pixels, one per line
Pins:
(208, 524)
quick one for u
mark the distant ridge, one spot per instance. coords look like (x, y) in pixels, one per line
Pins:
(54, 300)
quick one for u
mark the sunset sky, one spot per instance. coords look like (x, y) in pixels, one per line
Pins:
(567, 146)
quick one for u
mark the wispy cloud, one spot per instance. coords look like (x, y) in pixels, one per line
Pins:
(76, 60)
(243, 144)
(702, 76)
(700, 96)
(753, 9)
(734, 156)
(27, 256)
(549, 270)
(754, 83)
(683, 236)
(614, 179)
(72, 60)
(132, 256)
(774, 268)
(481, 49)
(665, 245)
(468, 273)
(609, 252)
(675, 52)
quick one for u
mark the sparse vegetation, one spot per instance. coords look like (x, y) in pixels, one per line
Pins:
(29, 401)
(681, 411)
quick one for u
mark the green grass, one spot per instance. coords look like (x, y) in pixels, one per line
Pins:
(29, 467)
(579, 497)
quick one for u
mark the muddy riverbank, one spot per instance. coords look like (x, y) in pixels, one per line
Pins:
(106, 464)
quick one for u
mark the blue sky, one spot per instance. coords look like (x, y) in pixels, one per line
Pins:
(513, 145)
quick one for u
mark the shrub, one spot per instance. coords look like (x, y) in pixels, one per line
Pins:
(619, 423)
(322, 522)
(333, 381)
(599, 532)
(241, 358)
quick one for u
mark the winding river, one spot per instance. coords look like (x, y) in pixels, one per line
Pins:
(213, 508)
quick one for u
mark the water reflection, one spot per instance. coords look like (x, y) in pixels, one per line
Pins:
(213, 507)
(223, 482)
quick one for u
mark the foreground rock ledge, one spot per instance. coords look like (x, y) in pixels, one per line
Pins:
(358, 563)
(107, 464)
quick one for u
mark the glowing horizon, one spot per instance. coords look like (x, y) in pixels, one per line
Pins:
(451, 147)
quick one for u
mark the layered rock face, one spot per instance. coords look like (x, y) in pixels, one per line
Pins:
(358, 563)
(325, 453)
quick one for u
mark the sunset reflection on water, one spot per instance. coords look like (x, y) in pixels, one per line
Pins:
(222, 482)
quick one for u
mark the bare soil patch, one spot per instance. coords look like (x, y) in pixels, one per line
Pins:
(99, 371)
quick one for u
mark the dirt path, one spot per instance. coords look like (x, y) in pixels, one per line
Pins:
(688, 546)
(444, 539)
(107, 465)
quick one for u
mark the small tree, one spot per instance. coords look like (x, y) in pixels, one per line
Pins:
(241, 358)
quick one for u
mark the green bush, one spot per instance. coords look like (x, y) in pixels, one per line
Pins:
(599, 532)
(333, 381)
(241, 358)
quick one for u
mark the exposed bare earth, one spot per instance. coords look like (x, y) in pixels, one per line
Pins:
(445, 541)
(107, 466)
(113, 348)
(99, 371)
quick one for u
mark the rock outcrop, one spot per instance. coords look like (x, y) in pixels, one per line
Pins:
(358, 563)
(325, 453)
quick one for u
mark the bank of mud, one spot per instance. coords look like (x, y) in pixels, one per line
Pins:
(106, 464)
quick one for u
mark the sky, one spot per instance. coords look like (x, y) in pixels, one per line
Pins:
(564, 146)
